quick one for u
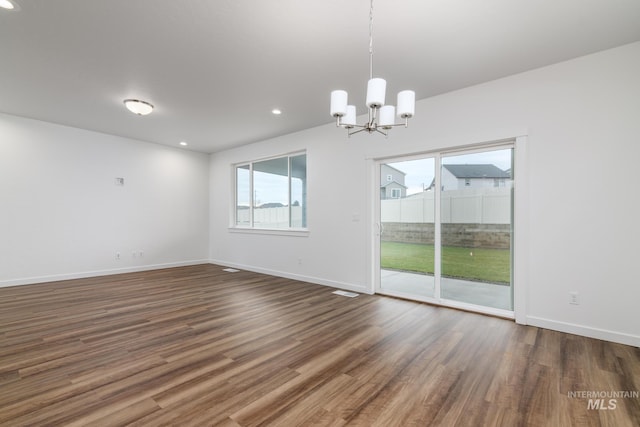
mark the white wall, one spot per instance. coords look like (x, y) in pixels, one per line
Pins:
(582, 119)
(318, 257)
(61, 214)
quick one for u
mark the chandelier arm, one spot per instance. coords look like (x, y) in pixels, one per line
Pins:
(405, 124)
(355, 126)
(357, 131)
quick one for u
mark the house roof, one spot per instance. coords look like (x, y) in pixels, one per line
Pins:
(392, 182)
(395, 169)
(477, 171)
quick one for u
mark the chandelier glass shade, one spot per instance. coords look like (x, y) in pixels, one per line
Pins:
(382, 117)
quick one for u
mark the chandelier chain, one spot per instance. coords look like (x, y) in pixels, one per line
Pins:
(371, 40)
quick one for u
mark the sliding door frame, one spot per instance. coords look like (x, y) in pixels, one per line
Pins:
(519, 219)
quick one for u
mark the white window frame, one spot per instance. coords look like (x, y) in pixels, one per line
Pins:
(239, 228)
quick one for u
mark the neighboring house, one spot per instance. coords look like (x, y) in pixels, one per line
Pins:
(458, 177)
(392, 183)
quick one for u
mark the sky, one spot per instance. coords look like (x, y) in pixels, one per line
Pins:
(268, 188)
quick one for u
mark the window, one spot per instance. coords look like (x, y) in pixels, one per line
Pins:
(272, 193)
(395, 193)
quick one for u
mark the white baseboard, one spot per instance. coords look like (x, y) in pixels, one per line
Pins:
(571, 328)
(315, 280)
(85, 274)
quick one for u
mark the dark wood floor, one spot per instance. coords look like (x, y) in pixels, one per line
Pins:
(200, 346)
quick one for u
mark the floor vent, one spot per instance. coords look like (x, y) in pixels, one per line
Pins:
(230, 270)
(346, 294)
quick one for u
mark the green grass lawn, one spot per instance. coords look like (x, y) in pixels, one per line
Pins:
(488, 265)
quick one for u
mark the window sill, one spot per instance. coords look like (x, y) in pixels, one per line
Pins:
(302, 232)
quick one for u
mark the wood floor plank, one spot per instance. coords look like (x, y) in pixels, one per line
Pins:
(196, 345)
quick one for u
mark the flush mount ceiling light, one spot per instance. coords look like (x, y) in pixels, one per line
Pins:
(381, 117)
(7, 4)
(183, 143)
(136, 106)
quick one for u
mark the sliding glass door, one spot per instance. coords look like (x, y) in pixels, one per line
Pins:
(445, 225)
(475, 217)
(407, 212)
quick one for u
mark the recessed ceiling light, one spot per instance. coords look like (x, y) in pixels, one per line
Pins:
(276, 111)
(136, 106)
(6, 4)
(184, 144)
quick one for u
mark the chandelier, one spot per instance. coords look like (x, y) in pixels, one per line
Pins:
(381, 116)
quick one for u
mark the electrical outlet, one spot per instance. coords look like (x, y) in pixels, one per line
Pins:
(573, 298)
(117, 256)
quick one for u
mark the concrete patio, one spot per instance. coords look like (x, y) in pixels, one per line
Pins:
(479, 293)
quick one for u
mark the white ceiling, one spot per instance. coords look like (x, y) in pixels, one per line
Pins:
(215, 69)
